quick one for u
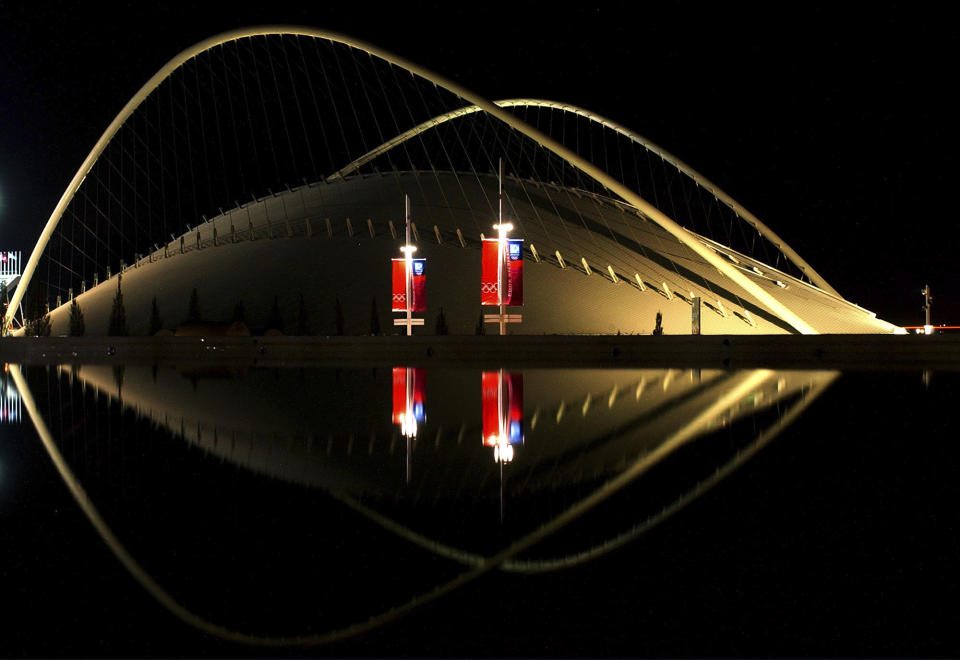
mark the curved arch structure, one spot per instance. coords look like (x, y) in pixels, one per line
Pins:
(616, 187)
(697, 178)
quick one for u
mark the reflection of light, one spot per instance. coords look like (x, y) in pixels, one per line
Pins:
(418, 414)
(899, 331)
(408, 425)
(9, 403)
(516, 433)
(503, 453)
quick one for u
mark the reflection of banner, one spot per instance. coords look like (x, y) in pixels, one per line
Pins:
(490, 393)
(399, 299)
(418, 285)
(399, 394)
(418, 394)
(489, 268)
(514, 272)
(511, 385)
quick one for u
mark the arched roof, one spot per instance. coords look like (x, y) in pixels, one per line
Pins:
(765, 298)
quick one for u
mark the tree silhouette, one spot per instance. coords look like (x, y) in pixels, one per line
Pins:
(275, 319)
(374, 317)
(4, 299)
(77, 325)
(338, 315)
(193, 308)
(303, 319)
(481, 327)
(239, 313)
(658, 328)
(118, 315)
(37, 312)
(156, 323)
(441, 326)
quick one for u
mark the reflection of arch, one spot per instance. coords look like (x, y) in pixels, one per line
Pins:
(680, 404)
(604, 179)
(187, 616)
(744, 388)
(741, 386)
(698, 178)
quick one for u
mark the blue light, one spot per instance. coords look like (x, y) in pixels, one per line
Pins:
(418, 413)
(516, 432)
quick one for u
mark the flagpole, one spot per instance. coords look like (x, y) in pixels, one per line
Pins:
(500, 255)
(409, 265)
(411, 417)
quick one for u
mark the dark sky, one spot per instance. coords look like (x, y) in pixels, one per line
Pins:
(836, 128)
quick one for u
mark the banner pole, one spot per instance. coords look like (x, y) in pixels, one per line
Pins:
(500, 256)
(409, 265)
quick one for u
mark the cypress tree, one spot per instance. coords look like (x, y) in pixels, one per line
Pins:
(275, 319)
(118, 315)
(77, 325)
(338, 315)
(193, 308)
(156, 323)
(441, 326)
(37, 312)
(303, 320)
(658, 328)
(374, 317)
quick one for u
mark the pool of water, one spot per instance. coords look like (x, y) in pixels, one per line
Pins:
(410, 512)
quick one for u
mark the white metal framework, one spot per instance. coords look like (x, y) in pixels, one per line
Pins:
(616, 187)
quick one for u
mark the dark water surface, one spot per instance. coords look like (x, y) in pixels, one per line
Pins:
(189, 511)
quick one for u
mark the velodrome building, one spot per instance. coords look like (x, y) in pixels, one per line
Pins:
(598, 260)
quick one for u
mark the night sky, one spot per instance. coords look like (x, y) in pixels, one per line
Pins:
(837, 129)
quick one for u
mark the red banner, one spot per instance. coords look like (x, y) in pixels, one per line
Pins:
(398, 302)
(514, 272)
(511, 268)
(489, 269)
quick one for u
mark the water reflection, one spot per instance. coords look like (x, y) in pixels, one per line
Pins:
(502, 412)
(409, 392)
(9, 399)
(363, 499)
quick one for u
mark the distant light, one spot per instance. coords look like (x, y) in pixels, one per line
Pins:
(928, 329)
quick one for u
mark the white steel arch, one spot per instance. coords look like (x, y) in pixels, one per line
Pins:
(697, 178)
(616, 187)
